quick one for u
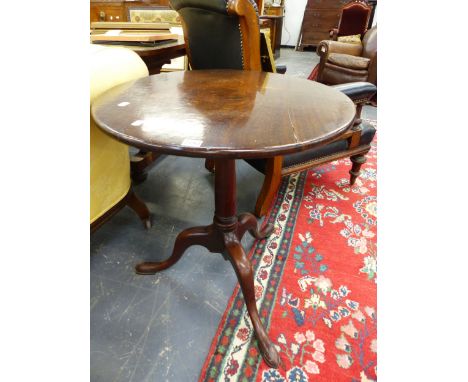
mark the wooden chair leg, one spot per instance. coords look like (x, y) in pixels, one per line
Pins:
(270, 185)
(140, 163)
(210, 165)
(358, 161)
(137, 205)
(358, 119)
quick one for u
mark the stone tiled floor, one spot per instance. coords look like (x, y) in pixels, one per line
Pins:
(299, 64)
(159, 328)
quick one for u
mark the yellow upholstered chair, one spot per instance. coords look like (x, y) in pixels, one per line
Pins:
(110, 185)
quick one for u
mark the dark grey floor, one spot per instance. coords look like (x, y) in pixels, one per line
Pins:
(159, 328)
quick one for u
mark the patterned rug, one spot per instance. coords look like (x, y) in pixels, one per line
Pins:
(314, 73)
(315, 281)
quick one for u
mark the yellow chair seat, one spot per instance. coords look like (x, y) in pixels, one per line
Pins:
(110, 162)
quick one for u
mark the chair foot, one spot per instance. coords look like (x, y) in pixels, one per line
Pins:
(140, 208)
(139, 177)
(358, 161)
(210, 165)
(139, 165)
(281, 69)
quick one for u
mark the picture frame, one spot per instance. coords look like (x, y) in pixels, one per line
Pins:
(153, 14)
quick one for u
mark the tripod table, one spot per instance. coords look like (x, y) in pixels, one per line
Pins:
(224, 115)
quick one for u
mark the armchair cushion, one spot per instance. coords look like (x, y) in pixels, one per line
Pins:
(353, 39)
(328, 46)
(348, 61)
(334, 75)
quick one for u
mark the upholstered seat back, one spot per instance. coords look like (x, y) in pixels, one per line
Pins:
(369, 43)
(354, 18)
(213, 33)
(369, 50)
(348, 61)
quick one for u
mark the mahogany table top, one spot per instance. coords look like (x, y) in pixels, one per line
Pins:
(223, 113)
(171, 49)
(149, 51)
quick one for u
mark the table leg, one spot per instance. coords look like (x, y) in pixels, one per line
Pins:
(233, 229)
(225, 235)
(248, 222)
(244, 271)
(154, 64)
(205, 236)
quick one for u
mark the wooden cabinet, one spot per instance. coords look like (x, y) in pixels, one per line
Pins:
(106, 11)
(112, 10)
(272, 18)
(321, 16)
(274, 11)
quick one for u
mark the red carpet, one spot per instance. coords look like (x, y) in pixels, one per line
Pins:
(316, 283)
(314, 73)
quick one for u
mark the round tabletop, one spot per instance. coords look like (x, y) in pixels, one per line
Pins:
(223, 113)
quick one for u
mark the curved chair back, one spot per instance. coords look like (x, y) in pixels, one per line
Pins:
(354, 18)
(369, 50)
(220, 34)
(369, 43)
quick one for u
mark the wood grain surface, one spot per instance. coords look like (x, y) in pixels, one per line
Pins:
(223, 113)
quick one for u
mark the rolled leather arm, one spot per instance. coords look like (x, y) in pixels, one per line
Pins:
(359, 92)
(326, 47)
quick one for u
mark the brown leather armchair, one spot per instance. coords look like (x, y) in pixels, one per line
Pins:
(341, 62)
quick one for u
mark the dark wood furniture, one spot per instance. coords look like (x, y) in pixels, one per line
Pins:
(113, 10)
(275, 24)
(272, 18)
(320, 17)
(224, 115)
